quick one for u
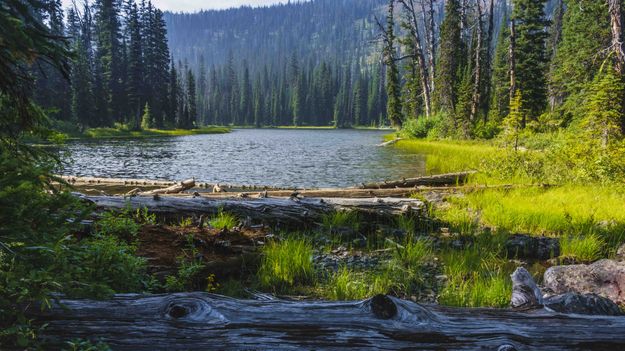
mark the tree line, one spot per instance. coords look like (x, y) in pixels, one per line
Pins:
(536, 71)
(121, 69)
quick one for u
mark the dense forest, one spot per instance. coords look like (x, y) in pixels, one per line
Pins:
(543, 72)
(121, 73)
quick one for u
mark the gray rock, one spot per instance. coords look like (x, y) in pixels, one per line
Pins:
(532, 247)
(620, 253)
(525, 292)
(605, 278)
(591, 304)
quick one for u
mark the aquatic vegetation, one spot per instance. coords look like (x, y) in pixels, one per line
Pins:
(100, 133)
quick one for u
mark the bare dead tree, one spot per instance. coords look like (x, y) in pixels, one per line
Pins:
(412, 20)
(477, 75)
(616, 22)
(430, 35)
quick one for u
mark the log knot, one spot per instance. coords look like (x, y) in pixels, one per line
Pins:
(177, 311)
(383, 307)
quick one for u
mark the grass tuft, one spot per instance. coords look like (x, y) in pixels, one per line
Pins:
(286, 263)
(223, 220)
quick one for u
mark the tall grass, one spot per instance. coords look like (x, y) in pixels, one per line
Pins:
(223, 220)
(586, 248)
(286, 263)
(339, 219)
(477, 276)
(345, 284)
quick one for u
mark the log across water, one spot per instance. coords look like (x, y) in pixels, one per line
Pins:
(201, 321)
(283, 211)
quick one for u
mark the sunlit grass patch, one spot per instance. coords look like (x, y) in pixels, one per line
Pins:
(586, 248)
(223, 220)
(478, 290)
(286, 263)
(105, 133)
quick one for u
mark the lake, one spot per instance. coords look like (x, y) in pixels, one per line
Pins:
(272, 157)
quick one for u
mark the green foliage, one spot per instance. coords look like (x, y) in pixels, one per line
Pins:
(103, 265)
(346, 284)
(286, 263)
(190, 267)
(121, 225)
(223, 220)
(85, 345)
(603, 112)
(146, 119)
(338, 219)
(393, 85)
(422, 127)
(587, 248)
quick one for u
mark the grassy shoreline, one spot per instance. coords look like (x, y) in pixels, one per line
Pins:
(114, 133)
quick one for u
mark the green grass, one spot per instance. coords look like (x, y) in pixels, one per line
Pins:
(557, 211)
(223, 220)
(587, 248)
(285, 264)
(339, 219)
(477, 276)
(346, 285)
(120, 133)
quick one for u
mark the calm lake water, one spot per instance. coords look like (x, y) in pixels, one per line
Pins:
(273, 157)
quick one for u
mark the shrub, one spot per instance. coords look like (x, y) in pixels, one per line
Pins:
(286, 263)
(121, 225)
(421, 127)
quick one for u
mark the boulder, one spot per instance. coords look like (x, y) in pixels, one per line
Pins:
(620, 253)
(604, 278)
(591, 304)
(527, 295)
(532, 247)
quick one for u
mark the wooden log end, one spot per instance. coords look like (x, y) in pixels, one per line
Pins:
(383, 307)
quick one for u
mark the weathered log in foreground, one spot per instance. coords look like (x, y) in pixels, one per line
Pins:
(201, 321)
(435, 180)
(286, 211)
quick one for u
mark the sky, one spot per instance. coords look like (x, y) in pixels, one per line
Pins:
(196, 5)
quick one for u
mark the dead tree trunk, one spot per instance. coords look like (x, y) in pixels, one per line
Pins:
(616, 21)
(430, 33)
(477, 78)
(285, 212)
(435, 180)
(201, 321)
(512, 57)
(413, 22)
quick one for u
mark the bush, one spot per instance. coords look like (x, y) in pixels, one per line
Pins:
(421, 127)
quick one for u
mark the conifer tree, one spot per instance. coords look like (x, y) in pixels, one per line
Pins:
(393, 88)
(451, 52)
(530, 55)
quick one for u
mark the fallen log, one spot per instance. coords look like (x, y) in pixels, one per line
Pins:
(435, 180)
(202, 321)
(390, 142)
(272, 211)
(174, 189)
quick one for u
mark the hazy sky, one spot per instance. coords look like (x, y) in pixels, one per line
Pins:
(196, 5)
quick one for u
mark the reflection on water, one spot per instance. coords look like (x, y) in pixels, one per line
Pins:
(275, 157)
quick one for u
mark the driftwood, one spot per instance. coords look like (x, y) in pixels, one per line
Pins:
(285, 211)
(201, 321)
(390, 142)
(174, 189)
(435, 180)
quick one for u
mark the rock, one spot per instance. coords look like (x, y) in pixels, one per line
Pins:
(591, 304)
(563, 261)
(605, 278)
(620, 253)
(525, 292)
(532, 247)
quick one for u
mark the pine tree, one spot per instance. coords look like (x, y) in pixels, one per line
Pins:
(604, 108)
(146, 119)
(135, 64)
(191, 101)
(531, 58)
(579, 54)
(513, 123)
(393, 88)
(449, 64)
(500, 99)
